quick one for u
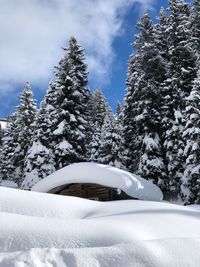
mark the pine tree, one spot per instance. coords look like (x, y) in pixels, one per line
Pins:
(195, 26)
(99, 109)
(109, 151)
(118, 109)
(23, 131)
(70, 135)
(181, 72)
(120, 159)
(62, 123)
(7, 150)
(95, 144)
(142, 105)
(118, 141)
(40, 158)
(174, 146)
(132, 139)
(161, 35)
(135, 81)
(182, 57)
(151, 164)
(106, 155)
(191, 179)
(1, 135)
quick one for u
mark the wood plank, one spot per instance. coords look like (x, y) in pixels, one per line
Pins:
(103, 193)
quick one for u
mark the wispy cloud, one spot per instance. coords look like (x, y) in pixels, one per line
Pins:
(33, 31)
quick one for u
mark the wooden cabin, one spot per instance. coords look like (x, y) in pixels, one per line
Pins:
(97, 182)
(91, 191)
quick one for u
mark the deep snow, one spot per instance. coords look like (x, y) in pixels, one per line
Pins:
(39, 229)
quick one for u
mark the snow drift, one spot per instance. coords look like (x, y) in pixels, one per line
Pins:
(46, 230)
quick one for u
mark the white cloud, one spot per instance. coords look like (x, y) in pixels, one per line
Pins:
(32, 31)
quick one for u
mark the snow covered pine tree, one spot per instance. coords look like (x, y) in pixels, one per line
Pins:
(99, 110)
(40, 160)
(71, 127)
(7, 150)
(181, 73)
(142, 107)
(18, 136)
(190, 187)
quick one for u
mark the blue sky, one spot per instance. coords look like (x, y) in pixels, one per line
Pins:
(33, 38)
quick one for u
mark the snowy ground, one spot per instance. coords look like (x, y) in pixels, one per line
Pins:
(39, 229)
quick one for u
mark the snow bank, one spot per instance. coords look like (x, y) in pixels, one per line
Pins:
(131, 184)
(139, 254)
(55, 231)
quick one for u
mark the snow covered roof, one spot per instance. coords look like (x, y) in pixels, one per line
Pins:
(133, 185)
(3, 122)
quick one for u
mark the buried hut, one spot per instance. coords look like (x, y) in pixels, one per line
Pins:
(98, 182)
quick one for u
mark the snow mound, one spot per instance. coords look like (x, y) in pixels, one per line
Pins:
(56, 231)
(133, 185)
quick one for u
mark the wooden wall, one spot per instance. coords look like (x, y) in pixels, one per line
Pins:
(91, 191)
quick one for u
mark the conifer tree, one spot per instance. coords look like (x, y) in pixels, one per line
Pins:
(100, 107)
(7, 150)
(23, 131)
(105, 150)
(118, 110)
(135, 81)
(99, 110)
(70, 135)
(182, 57)
(111, 141)
(161, 35)
(1, 135)
(106, 146)
(95, 144)
(195, 26)
(119, 140)
(62, 123)
(181, 72)
(40, 157)
(190, 187)
(142, 105)
(151, 164)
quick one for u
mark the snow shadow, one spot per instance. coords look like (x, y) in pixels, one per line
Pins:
(186, 213)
